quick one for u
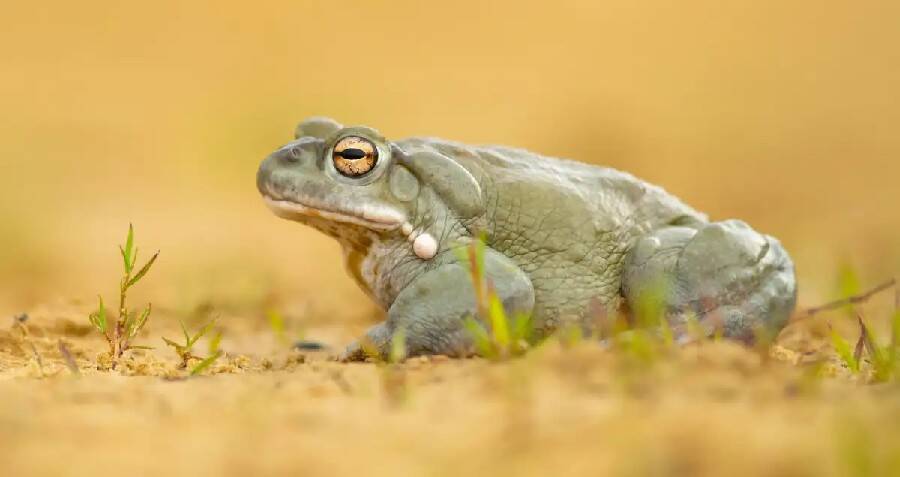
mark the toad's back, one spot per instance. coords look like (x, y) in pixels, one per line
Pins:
(568, 225)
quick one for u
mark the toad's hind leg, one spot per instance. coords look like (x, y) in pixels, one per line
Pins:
(728, 276)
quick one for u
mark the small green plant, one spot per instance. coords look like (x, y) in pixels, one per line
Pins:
(882, 359)
(644, 333)
(205, 363)
(842, 348)
(505, 337)
(396, 354)
(394, 381)
(392, 372)
(215, 342)
(848, 284)
(120, 333)
(287, 330)
(398, 347)
(570, 336)
(185, 350)
(693, 329)
(277, 325)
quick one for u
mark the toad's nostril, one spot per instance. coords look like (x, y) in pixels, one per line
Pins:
(292, 154)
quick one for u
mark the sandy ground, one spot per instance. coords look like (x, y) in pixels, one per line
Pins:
(715, 408)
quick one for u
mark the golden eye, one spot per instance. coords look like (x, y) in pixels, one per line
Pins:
(354, 156)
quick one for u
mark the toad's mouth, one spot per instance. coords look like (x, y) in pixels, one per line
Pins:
(371, 217)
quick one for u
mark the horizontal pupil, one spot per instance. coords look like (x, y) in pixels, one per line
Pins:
(352, 153)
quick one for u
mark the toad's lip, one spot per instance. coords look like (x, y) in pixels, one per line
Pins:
(376, 218)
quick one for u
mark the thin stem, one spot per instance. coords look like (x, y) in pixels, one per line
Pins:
(120, 344)
(851, 300)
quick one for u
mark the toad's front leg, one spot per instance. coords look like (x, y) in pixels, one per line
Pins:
(433, 308)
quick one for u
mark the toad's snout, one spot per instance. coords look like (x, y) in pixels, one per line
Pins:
(291, 161)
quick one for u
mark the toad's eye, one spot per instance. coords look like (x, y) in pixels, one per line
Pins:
(354, 156)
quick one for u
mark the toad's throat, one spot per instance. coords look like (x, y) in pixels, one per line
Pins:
(424, 245)
(368, 217)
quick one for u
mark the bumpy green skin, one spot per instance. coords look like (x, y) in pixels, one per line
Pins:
(563, 237)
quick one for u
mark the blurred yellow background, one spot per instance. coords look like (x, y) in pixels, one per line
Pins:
(784, 114)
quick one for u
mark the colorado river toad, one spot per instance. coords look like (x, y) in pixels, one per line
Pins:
(562, 237)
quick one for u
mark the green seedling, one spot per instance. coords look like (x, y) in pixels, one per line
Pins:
(646, 334)
(278, 326)
(185, 350)
(393, 375)
(504, 337)
(205, 363)
(391, 372)
(848, 285)
(649, 311)
(284, 328)
(895, 330)
(763, 339)
(883, 358)
(215, 342)
(397, 353)
(398, 347)
(693, 328)
(842, 348)
(570, 336)
(120, 333)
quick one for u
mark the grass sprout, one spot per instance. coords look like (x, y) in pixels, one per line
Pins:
(393, 374)
(645, 334)
(205, 363)
(848, 285)
(215, 343)
(398, 347)
(881, 359)
(505, 336)
(570, 336)
(288, 331)
(277, 325)
(120, 332)
(842, 348)
(185, 351)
